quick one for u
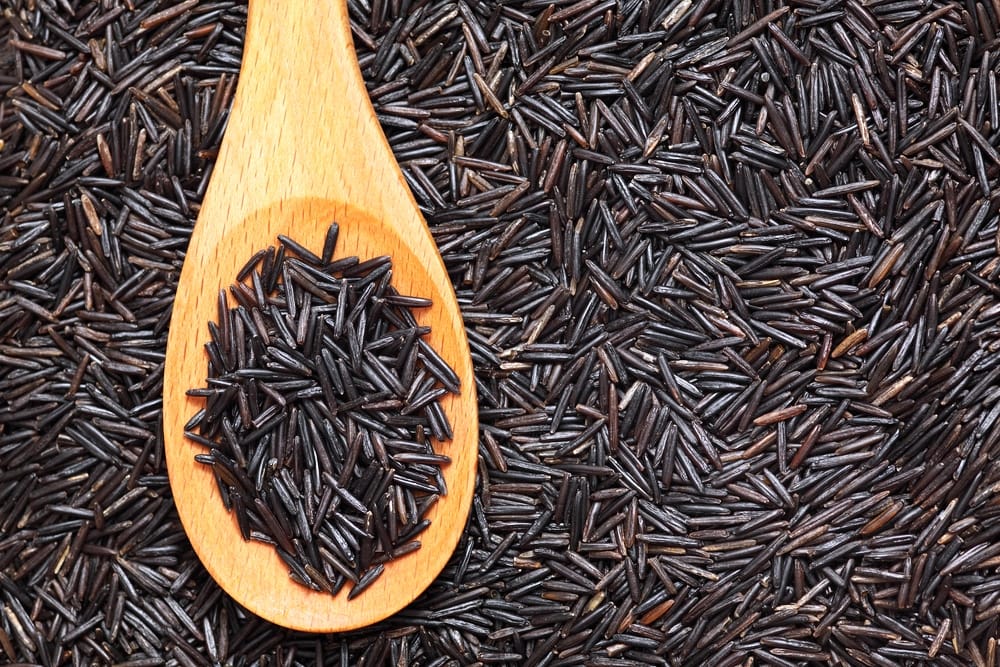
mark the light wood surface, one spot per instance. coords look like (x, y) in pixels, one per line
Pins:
(303, 147)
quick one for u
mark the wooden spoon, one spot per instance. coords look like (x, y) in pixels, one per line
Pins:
(303, 148)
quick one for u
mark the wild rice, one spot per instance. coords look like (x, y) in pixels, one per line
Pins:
(667, 225)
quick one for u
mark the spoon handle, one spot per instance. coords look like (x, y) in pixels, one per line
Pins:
(302, 124)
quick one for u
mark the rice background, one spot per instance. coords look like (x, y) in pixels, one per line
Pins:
(729, 271)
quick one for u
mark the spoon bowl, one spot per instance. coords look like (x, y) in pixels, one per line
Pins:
(302, 149)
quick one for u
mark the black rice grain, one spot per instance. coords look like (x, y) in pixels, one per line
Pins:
(320, 401)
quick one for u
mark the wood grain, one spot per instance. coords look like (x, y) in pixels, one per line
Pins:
(303, 148)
